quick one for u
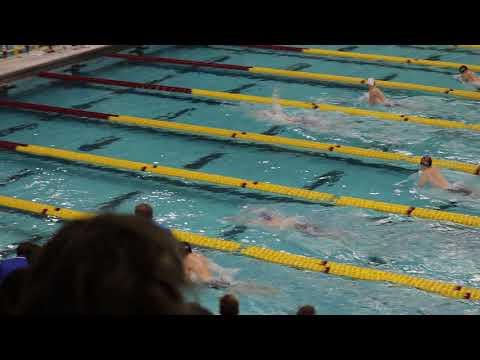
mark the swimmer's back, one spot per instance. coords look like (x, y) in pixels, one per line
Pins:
(375, 97)
(437, 179)
(197, 265)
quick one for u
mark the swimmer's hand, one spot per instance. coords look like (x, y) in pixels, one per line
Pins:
(218, 284)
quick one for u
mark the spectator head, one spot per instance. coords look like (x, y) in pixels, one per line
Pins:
(229, 305)
(29, 251)
(306, 310)
(144, 210)
(109, 264)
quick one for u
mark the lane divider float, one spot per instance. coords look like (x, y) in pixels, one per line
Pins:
(301, 75)
(244, 136)
(368, 57)
(267, 100)
(300, 262)
(309, 195)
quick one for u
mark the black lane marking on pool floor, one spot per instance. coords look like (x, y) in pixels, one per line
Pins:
(204, 160)
(173, 116)
(298, 67)
(389, 77)
(232, 233)
(348, 48)
(20, 175)
(99, 144)
(139, 50)
(75, 69)
(329, 178)
(237, 90)
(166, 77)
(117, 201)
(377, 218)
(17, 128)
(434, 57)
(89, 104)
(49, 117)
(357, 62)
(451, 205)
(375, 260)
(194, 68)
(151, 82)
(218, 59)
(274, 130)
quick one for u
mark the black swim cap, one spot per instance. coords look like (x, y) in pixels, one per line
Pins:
(187, 247)
(426, 161)
(266, 216)
(462, 69)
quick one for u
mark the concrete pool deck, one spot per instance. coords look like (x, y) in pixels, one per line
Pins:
(27, 64)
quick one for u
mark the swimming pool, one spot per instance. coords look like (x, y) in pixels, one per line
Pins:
(423, 248)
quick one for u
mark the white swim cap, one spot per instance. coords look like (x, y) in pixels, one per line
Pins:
(371, 81)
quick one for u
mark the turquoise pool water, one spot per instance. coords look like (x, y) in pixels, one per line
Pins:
(418, 247)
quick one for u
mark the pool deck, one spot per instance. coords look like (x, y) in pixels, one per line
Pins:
(27, 64)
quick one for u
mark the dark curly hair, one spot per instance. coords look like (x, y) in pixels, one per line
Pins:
(109, 264)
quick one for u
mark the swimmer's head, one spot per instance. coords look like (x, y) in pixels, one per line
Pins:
(462, 69)
(371, 82)
(187, 248)
(265, 216)
(426, 161)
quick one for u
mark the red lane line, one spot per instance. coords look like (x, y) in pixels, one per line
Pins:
(277, 47)
(179, 61)
(9, 145)
(54, 109)
(129, 84)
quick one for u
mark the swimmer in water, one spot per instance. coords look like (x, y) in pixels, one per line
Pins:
(272, 220)
(277, 114)
(375, 95)
(468, 76)
(198, 269)
(432, 175)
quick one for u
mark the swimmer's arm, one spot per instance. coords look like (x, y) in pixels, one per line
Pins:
(423, 180)
(290, 221)
(254, 222)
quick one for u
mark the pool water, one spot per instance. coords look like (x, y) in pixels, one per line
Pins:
(422, 248)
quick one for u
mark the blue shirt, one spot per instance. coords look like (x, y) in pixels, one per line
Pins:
(9, 265)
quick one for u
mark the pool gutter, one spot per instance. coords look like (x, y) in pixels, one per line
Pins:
(28, 65)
